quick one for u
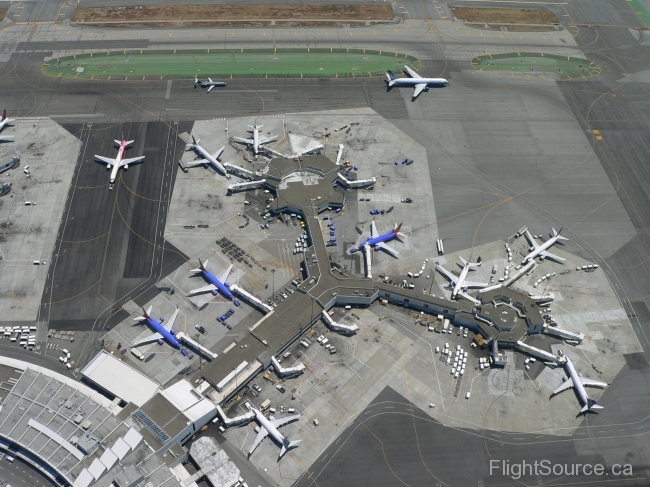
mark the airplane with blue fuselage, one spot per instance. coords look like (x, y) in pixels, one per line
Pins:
(216, 284)
(376, 241)
(162, 331)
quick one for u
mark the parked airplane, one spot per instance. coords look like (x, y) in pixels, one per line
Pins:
(540, 250)
(207, 84)
(418, 83)
(578, 382)
(3, 123)
(459, 282)
(256, 143)
(216, 284)
(163, 331)
(377, 241)
(118, 162)
(208, 159)
(270, 428)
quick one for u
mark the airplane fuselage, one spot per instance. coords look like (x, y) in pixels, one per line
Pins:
(5, 122)
(118, 159)
(213, 160)
(411, 82)
(211, 278)
(577, 383)
(545, 246)
(460, 281)
(372, 241)
(157, 327)
(256, 139)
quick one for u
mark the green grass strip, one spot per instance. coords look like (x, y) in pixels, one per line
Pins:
(228, 64)
(640, 10)
(563, 67)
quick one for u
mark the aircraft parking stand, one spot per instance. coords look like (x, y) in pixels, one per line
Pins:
(29, 229)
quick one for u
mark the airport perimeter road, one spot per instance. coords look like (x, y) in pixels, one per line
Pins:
(19, 474)
(110, 246)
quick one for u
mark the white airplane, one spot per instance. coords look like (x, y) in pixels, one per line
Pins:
(270, 428)
(256, 143)
(418, 83)
(207, 84)
(537, 250)
(118, 162)
(3, 123)
(460, 282)
(208, 159)
(578, 382)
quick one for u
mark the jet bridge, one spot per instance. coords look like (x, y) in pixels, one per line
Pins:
(359, 183)
(250, 298)
(348, 329)
(239, 171)
(233, 188)
(185, 338)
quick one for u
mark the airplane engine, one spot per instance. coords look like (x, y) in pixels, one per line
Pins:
(227, 284)
(214, 292)
(377, 247)
(126, 166)
(541, 257)
(108, 167)
(530, 249)
(426, 89)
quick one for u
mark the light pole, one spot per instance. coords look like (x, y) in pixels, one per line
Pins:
(273, 274)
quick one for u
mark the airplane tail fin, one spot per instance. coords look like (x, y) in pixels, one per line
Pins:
(4, 114)
(391, 78)
(463, 261)
(196, 141)
(288, 446)
(591, 405)
(202, 266)
(557, 234)
(145, 315)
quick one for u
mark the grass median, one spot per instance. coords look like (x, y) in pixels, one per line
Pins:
(229, 64)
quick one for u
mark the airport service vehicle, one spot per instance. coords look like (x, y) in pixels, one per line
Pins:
(4, 123)
(540, 251)
(578, 382)
(208, 159)
(115, 164)
(209, 84)
(377, 241)
(216, 285)
(460, 283)
(416, 81)
(255, 143)
(270, 428)
(162, 331)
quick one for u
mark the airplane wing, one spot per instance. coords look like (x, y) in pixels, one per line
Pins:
(530, 239)
(548, 255)
(6, 138)
(412, 73)
(198, 162)
(567, 384)
(217, 154)
(446, 273)
(258, 439)
(170, 323)
(419, 89)
(373, 229)
(382, 245)
(125, 162)
(225, 274)
(592, 383)
(106, 160)
(270, 139)
(243, 141)
(210, 89)
(205, 289)
(282, 421)
(147, 339)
